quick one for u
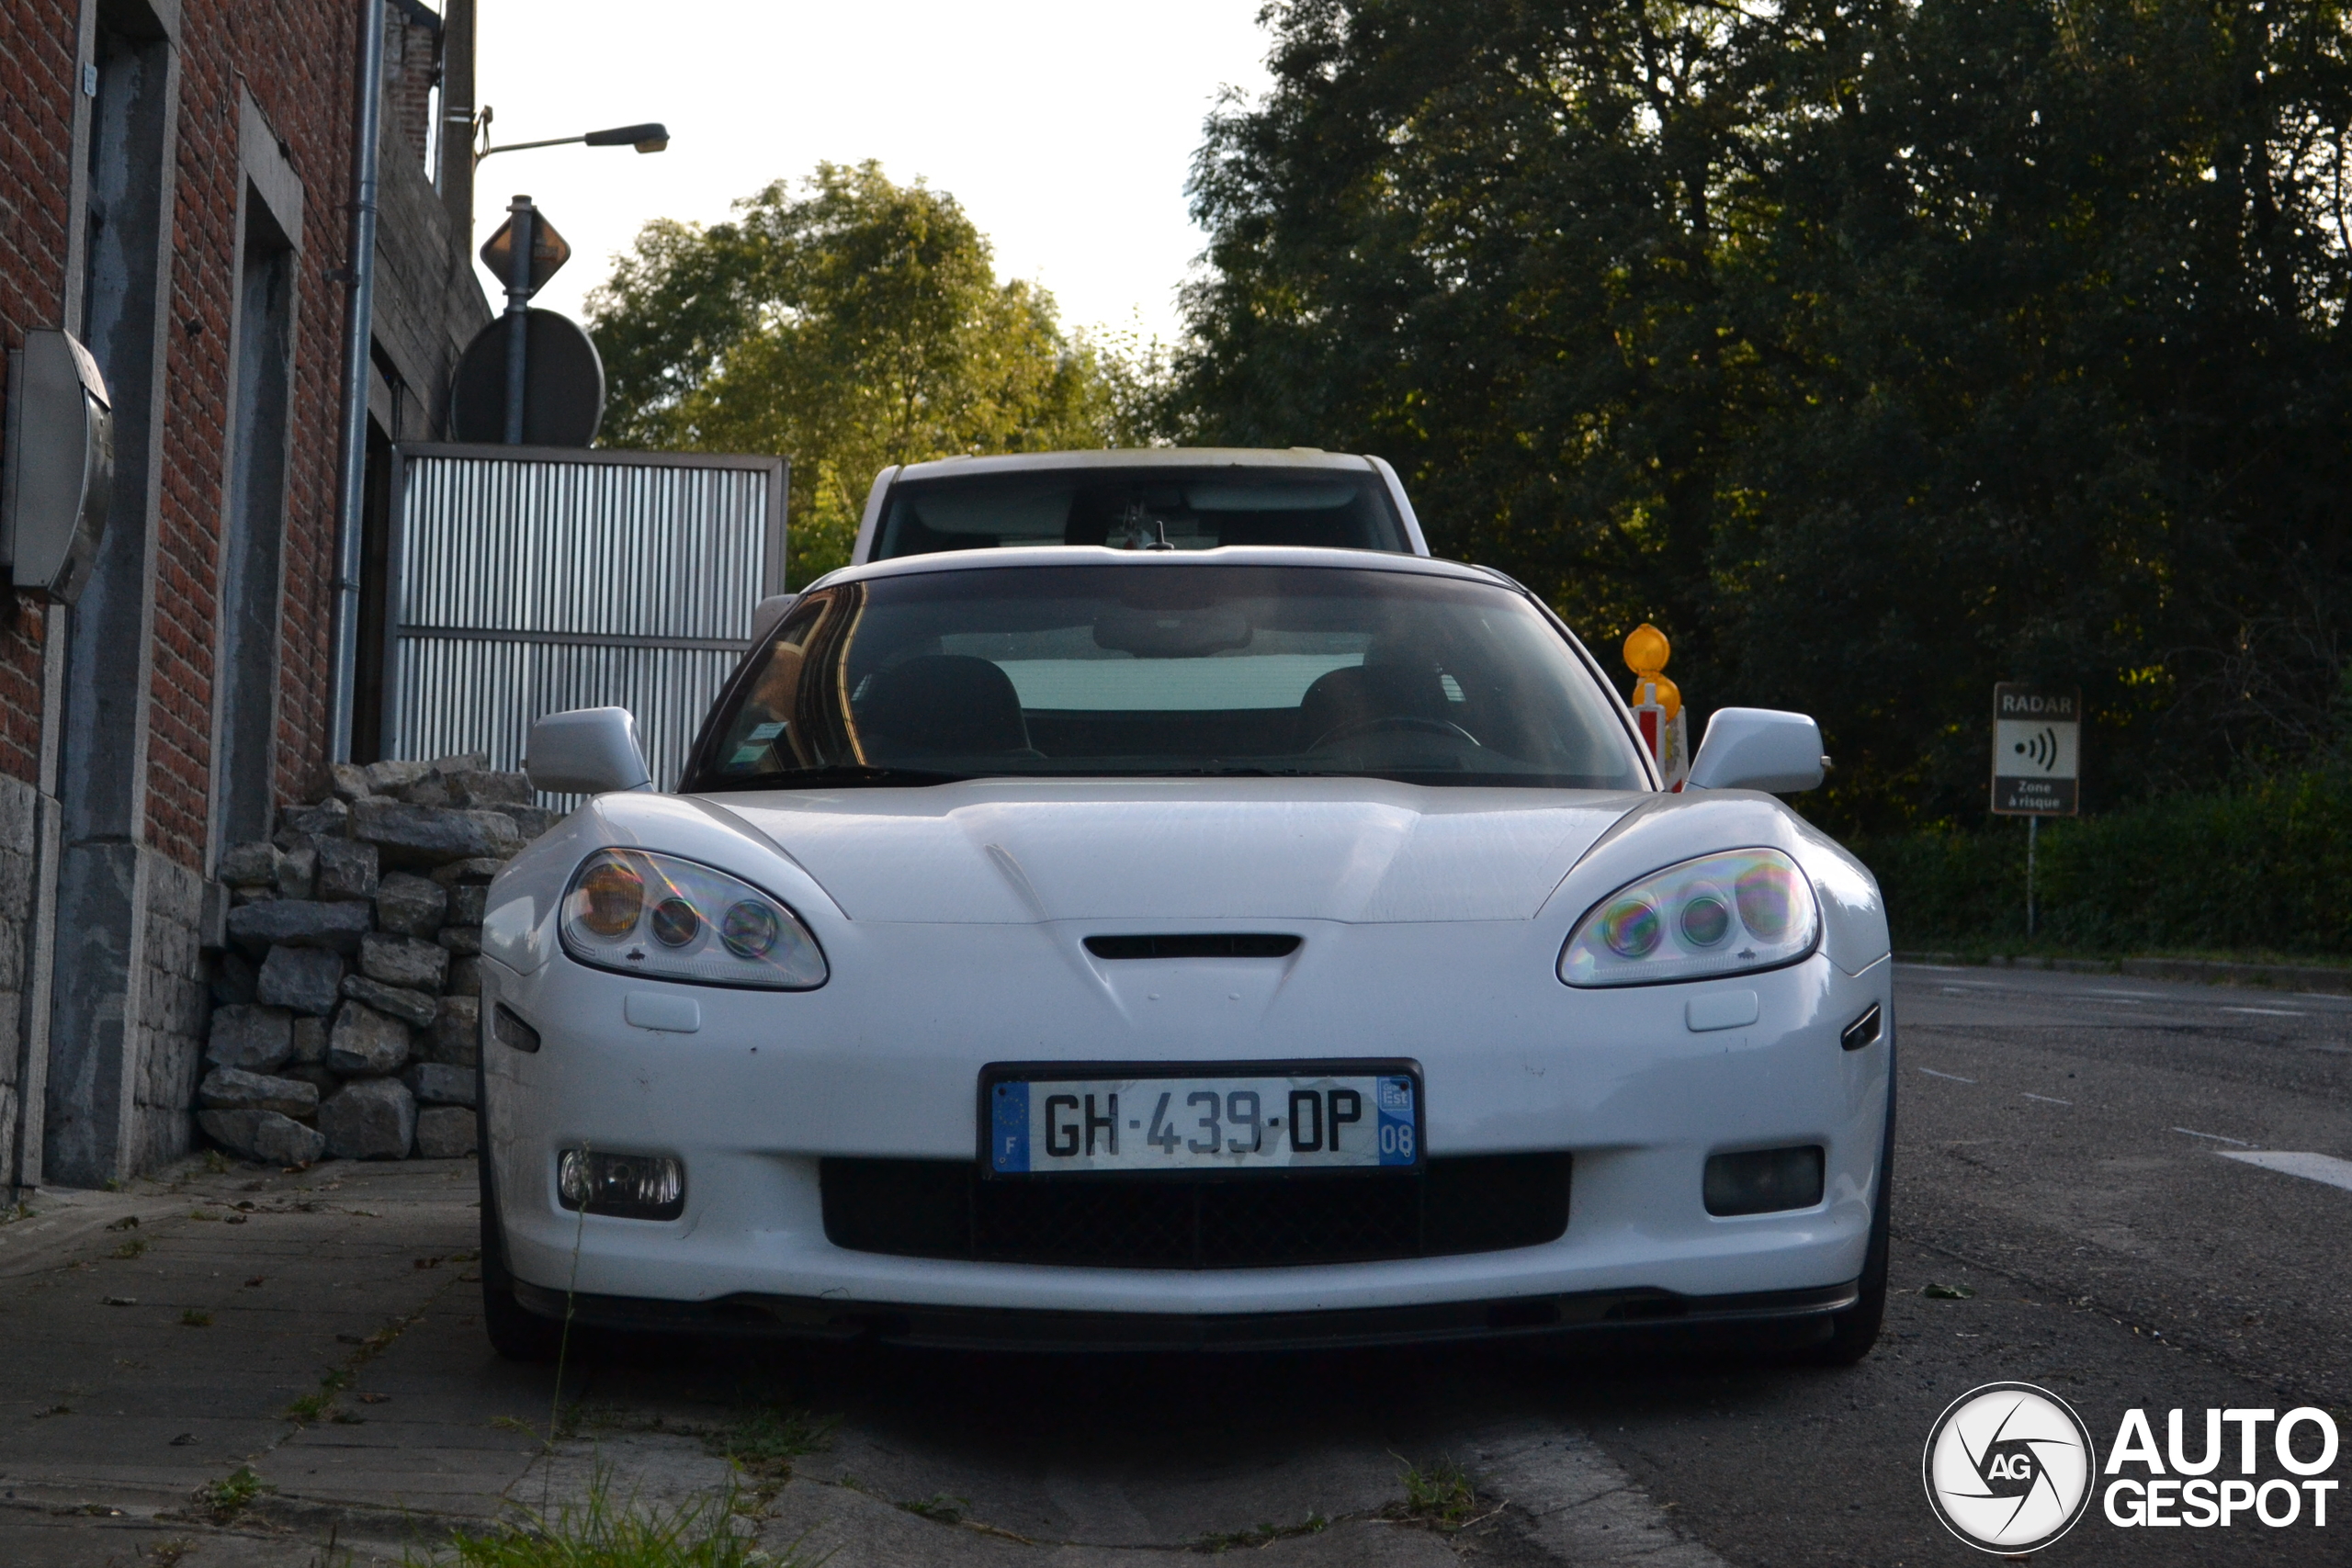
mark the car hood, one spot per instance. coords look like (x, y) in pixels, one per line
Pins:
(1016, 851)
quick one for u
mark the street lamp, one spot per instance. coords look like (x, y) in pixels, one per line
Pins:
(651, 138)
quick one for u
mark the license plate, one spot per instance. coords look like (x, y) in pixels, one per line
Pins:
(1135, 1119)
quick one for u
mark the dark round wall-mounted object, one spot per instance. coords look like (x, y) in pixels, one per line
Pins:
(563, 398)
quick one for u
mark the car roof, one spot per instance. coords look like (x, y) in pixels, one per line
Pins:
(1136, 458)
(1307, 459)
(1147, 560)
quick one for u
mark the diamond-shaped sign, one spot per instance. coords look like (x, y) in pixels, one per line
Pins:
(549, 251)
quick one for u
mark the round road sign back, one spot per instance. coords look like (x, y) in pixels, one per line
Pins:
(564, 399)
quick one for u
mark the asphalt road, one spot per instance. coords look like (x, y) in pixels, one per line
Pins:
(2064, 1176)
(2061, 1157)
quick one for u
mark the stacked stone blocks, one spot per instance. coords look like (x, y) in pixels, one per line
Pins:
(349, 1003)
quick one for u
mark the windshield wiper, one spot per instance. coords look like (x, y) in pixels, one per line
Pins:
(836, 775)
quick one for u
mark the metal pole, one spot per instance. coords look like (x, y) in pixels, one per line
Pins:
(358, 335)
(2032, 837)
(523, 217)
(456, 174)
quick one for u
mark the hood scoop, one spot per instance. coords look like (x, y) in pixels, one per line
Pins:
(1202, 944)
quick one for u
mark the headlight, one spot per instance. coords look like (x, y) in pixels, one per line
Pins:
(647, 914)
(1718, 915)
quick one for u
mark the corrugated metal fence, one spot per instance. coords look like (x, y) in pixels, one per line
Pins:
(526, 581)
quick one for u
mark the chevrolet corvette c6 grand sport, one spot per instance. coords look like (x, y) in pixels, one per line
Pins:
(1242, 947)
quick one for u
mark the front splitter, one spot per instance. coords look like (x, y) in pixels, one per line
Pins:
(1025, 1329)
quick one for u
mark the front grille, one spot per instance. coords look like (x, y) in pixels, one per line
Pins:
(920, 1208)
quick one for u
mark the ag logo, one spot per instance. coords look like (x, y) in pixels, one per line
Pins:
(2008, 1468)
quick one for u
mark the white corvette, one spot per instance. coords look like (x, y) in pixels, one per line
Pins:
(1135, 948)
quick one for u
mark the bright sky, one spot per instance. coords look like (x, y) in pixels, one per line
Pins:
(1065, 129)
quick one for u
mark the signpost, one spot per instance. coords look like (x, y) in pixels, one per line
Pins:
(531, 377)
(2036, 761)
(528, 251)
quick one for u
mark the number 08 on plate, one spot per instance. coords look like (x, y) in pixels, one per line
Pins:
(1118, 1125)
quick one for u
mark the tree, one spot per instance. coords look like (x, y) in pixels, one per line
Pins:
(1878, 350)
(851, 324)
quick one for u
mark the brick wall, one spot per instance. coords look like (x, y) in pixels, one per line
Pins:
(296, 60)
(412, 68)
(37, 40)
(294, 57)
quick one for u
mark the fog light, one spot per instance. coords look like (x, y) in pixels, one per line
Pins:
(1763, 1181)
(628, 1186)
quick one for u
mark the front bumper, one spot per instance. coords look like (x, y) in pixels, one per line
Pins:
(1800, 1316)
(770, 1085)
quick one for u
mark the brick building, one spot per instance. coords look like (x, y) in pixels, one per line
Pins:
(175, 191)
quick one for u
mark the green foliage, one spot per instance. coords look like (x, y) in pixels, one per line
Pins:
(1218, 1542)
(603, 1532)
(768, 1439)
(1442, 1496)
(228, 1497)
(1876, 352)
(849, 323)
(2256, 869)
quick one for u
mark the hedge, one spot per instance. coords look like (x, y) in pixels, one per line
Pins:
(2262, 868)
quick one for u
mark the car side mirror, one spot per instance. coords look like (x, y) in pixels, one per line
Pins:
(1760, 748)
(586, 751)
(769, 614)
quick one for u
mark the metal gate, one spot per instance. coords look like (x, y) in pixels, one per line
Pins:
(525, 581)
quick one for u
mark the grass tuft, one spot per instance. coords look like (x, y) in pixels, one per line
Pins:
(1443, 1497)
(939, 1507)
(134, 1248)
(195, 1317)
(769, 1438)
(1263, 1535)
(311, 1407)
(600, 1532)
(229, 1497)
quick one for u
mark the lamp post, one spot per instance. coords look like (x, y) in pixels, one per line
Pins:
(523, 231)
(652, 137)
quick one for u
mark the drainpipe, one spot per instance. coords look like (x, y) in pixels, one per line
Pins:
(358, 333)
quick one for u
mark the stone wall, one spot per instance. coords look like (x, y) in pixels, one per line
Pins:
(350, 1016)
(19, 831)
(168, 1013)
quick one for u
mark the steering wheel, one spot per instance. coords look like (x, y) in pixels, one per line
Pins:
(1393, 721)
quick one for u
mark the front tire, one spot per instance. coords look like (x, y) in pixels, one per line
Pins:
(515, 1332)
(1854, 1331)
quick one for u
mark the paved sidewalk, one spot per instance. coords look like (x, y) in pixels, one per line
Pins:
(319, 1332)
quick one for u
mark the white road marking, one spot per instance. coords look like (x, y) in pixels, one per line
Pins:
(2325, 1169)
(1937, 968)
(1954, 1076)
(2143, 996)
(2269, 1012)
(2045, 1099)
(2215, 1136)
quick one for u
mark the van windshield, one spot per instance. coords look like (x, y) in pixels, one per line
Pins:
(1183, 509)
(1161, 668)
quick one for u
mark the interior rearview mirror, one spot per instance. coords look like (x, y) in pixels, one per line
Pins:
(586, 751)
(1760, 748)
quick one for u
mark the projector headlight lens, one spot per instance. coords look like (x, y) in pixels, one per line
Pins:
(639, 913)
(1681, 924)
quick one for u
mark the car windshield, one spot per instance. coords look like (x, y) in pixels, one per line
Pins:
(1143, 508)
(1161, 668)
